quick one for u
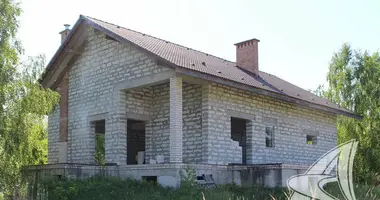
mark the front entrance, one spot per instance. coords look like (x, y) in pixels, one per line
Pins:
(135, 140)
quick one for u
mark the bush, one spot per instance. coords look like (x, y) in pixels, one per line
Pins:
(107, 188)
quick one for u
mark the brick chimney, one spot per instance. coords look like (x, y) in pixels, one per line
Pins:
(247, 55)
(63, 117)
(65, 32)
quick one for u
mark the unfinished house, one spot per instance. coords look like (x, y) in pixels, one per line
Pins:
(154, 107)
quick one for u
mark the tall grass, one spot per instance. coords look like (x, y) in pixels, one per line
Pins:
(117, 189)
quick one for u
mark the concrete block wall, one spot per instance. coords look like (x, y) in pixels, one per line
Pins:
(218, 147)
(93, 76)
(157, 134)
(176, 128)
(292, 124)
(192, 123)
(139, 101)
(116, 132)
(154, 101)
(53, 135)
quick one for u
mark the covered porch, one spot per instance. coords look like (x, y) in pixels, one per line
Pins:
(153, 119)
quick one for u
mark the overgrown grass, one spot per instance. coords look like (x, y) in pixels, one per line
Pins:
(362, 191)
(116, 189)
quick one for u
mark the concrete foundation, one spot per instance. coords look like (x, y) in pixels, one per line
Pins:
(169, 174)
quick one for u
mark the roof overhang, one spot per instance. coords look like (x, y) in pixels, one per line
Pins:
(298, 102)
(69, 49)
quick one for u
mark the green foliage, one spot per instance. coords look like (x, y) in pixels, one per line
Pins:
(189, 188)
(188, 177)
(115, 188)
(362, 191)
(100, 152)
(23, 138)
(354, 84)
(23, 105)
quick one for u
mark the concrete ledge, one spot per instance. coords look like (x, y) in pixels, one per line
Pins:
(241, 115)
(97, 117)
(136, 116)
(145, 81)
(166, 173)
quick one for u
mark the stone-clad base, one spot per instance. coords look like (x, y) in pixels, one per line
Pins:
(169, 174)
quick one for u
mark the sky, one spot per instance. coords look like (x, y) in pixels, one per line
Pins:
(297, 37)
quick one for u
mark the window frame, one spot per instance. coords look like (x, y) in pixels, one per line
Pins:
(311, 139)
(269, 136)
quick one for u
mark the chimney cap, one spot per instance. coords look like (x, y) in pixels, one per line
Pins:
(254, 39)
(67, 26)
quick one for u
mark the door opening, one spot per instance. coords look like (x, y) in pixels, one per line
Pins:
(135, 140)
(239, 134)
(99, 128)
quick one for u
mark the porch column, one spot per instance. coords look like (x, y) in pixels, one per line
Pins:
(175, 137)
(206, 123)
(116, 130)
(249, 142)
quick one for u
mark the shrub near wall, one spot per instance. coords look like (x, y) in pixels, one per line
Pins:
(101, 188)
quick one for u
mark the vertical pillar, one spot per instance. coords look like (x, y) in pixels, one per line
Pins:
(116, 130)
(176, 135)
(249, 142)
(91, 143)
(205, 122)
(63, 118)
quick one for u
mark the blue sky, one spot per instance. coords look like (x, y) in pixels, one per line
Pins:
(297, 37)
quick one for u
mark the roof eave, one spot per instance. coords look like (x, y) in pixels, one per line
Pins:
(50, 66)
(266, 93)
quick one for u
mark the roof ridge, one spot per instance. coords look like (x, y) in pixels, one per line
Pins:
(158, 38)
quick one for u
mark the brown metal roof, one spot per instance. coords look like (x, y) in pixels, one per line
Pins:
(211, 65)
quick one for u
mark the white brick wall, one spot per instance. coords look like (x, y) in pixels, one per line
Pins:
(206, 122)
(290, 135)
(176, 132)
(154, 101)
(104, 64)
(53, 135)
(192, 123)
(116, 131)
(139, 101)
(157, 138)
